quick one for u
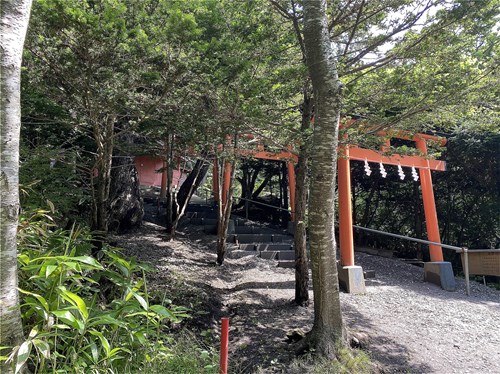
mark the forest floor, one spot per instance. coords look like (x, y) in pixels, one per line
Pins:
(404, 324)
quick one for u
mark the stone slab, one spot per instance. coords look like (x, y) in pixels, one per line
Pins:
(240, 254)
(269, 255)
(286, 255)
(351, 279)
(243, 230)
(207, 214)
(247, 247)
(286, 264)
(210, 221)
(253, 230)
(440, 273)
(199, 208)
(254, 238)
(369, 274)
(282, 238)
(274, 247)
(210, 229)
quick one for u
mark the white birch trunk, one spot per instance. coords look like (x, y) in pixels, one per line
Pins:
(328, 327)
(14, 23)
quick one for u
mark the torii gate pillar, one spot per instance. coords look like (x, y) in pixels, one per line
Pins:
(431, 221)
(351, 277)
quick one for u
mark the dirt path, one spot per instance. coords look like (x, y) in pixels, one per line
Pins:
(406, 325)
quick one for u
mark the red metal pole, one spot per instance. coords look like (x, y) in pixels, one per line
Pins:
(224, 344)
(345, 208)
(431, 220)
(291, 186)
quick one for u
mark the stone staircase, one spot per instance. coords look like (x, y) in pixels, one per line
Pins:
(245, 237)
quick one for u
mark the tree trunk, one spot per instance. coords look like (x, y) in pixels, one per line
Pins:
(126, 207)
(300, 238)
(192, 182)
(328, 327)
(104, 138)
(200, 170)
(224, 216)
(170, 198)
(224, 211)
(262, 186)
(14, 23)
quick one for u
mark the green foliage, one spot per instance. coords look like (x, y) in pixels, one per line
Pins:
(187, 355)
(347, 361)
(48, 174)
(82, 314)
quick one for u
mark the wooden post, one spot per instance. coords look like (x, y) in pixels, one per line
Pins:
(345, 208)
(431, 220)
(291, 186)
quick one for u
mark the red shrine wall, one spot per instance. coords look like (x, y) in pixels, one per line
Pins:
(148, 176)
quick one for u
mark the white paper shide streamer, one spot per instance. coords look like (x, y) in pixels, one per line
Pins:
(368, 171)
(414, 173)
(383, 173)
(401, 173)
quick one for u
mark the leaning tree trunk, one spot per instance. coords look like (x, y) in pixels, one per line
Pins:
(14, 23)
(199, 172)
(192, 182)
(126, 205)
(300, 238)
(328, 326)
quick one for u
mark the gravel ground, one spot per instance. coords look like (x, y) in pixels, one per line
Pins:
(405, 324)
(416, 326)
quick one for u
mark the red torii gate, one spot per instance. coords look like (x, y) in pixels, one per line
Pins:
(352, 152)
(260, 153)
(425, 165)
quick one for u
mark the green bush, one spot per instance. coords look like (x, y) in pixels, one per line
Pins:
(49, 174)
(347, 361)
(87, 315)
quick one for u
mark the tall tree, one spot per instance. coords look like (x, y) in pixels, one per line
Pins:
(328, 327)
(14, 23)
(369, 39)
(112, 65)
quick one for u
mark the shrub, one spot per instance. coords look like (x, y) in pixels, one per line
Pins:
(82, 314)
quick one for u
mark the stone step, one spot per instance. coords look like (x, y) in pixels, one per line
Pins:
(247, 247)
(274, 247)
(212, 215)
(254, 230)
(204, 221)
(260, 238)
(269, 255)
(200, 208)
(239, 254)
(210, 229)
(286, 264)
(286, 256)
